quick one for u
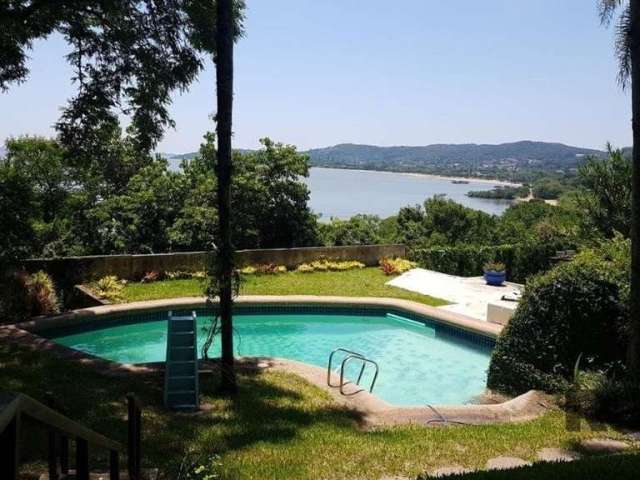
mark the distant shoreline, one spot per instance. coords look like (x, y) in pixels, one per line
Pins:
(503, 183)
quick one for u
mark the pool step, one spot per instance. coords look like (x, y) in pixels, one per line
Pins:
(181, 387)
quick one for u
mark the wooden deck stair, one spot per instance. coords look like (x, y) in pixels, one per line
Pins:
(181, 389)
(62, 431)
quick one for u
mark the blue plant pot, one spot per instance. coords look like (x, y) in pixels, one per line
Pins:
(495, 279)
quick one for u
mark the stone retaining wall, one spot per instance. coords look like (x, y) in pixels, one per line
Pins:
(74, 270)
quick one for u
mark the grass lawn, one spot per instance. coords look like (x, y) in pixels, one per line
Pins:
(365, 282)
(277, 427)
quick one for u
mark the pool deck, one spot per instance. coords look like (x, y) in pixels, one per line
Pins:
(375, 411)
(468, 296)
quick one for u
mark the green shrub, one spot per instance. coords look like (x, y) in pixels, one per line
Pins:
(395, 266)
(24, 296)
(521, 260)
(328, 265)
(605, 395)
(576, 309)
(109, 288)
(42, 294)
(494, 267)
(304, 268)
(178, 275)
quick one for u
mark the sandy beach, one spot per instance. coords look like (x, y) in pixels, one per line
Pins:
(429, 175)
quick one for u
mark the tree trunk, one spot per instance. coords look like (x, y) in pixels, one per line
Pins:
(224, 82)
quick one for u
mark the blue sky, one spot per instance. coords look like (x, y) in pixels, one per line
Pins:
(411, 72)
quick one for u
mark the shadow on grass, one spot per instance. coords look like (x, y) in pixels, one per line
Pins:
(269, 407)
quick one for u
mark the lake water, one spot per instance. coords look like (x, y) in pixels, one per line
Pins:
(344, 193)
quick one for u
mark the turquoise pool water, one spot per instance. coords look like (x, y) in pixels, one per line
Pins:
(419, 363)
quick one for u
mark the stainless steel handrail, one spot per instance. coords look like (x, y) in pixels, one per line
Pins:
(350, 356)
(344, 350)
(364, 361)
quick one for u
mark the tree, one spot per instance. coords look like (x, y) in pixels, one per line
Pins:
(605, 196)
(271, 200)
(358, 230)
(18, 208)
(223, 58)
(628, 52)
(128, 58)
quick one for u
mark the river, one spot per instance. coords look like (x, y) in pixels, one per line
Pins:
(343, 193)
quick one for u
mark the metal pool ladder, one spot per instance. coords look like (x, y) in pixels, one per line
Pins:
(351, 355)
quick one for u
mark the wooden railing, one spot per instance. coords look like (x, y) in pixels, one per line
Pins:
(15, 407)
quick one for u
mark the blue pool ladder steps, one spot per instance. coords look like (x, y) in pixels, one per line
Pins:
(181, 388)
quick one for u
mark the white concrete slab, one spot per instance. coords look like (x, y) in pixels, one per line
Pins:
(467, 295)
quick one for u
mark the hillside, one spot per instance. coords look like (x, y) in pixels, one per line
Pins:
(463, 158)
(516, 160)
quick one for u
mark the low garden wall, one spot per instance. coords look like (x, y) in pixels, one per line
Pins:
(73, 270)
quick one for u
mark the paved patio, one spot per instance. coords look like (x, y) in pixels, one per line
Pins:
(469, 296)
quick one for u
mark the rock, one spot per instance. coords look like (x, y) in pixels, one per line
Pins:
(603, 445)
(505, 463)
(450, 470)
(557, 455)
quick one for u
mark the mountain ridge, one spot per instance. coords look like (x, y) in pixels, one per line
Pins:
(449, 158)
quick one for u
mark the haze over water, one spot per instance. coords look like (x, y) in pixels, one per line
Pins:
(344, 193)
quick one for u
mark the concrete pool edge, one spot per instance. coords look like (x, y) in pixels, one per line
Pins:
(452, 319)
(374, 411)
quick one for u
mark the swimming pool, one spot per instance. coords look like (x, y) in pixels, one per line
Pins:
(421, 361)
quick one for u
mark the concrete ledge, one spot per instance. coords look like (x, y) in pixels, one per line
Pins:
(85, 315)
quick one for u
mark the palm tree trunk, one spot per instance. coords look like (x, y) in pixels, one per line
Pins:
(224, 83)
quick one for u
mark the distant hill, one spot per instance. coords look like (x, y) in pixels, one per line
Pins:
(505, 160)
(540, 155)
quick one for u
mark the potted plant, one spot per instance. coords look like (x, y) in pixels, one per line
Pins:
(495, 273)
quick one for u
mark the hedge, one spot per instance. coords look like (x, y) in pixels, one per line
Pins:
(577, 310)
(522, 260)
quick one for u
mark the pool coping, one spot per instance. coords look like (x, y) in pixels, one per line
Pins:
(452, 319)
(375, 411)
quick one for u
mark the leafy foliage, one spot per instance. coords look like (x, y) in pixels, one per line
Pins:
(501, 192)
(521, 260)
(109, 288)
(494, 267)
(606, 193)
(606, 397)
(445, 222)
(17, 212)
(54, 207)
(128, 57)
(358, 230)
(329, 266)
(395, 266)
(576, 310)
(23, 296)
(548, 189)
